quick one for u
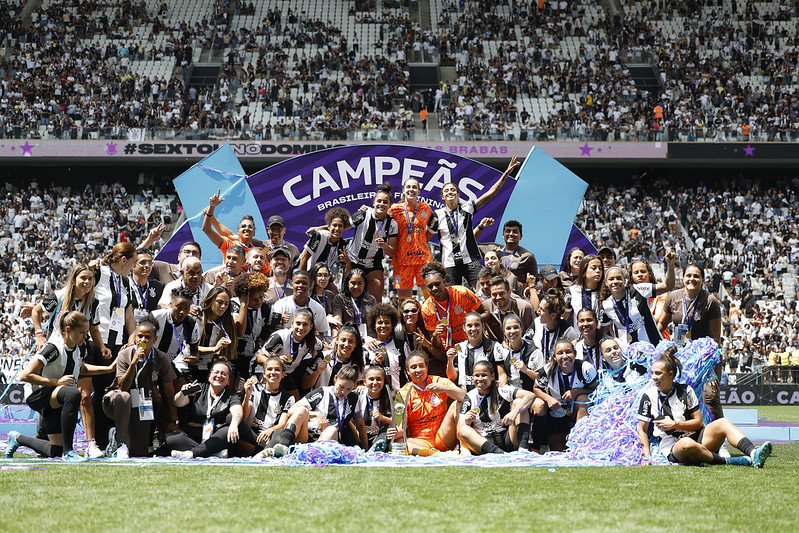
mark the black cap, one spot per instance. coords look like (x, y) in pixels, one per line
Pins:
(276, 219)
(548, 272)
(607, 249)
(280, 249)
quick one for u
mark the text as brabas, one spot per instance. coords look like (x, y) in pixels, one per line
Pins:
(367, 171)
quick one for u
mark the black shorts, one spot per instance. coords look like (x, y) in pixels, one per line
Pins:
(697, 436)
(40, 398)
(558, 426)
(502, 440)
(369, 270)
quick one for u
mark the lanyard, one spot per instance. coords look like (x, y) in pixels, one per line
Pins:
(421, 389)
(686, 318)
(357, 309)
(479, 399)
(410, 220)
(588, 299)
(294, 346)
(220, 328)
(548, 345)
(513, 254)
(663, 399)
(324, 299)
(446, 317)
(452, 218)
(341, 411)
(117, 281)
(593, 356)
(181, 343)
(626, 315)
(378, 230)
(562, 379)
(212, 405)
(150, 359)
(285, 283)
(143, 294)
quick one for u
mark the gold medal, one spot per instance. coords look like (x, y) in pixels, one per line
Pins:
(444, 321)
(328, 357)
(408, 238)
(476, 410)
(514, 360)
(458, 348)
(383, 351)
(118, 311)
(455, 240)
(289, 358)
(629, 339)
(142, 345)
(688, 335)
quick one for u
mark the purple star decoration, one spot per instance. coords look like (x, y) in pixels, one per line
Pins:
(586, 150)
(27, 148)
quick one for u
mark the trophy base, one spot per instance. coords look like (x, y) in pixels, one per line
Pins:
(398, 448)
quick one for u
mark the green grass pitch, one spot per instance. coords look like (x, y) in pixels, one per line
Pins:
(102, 497)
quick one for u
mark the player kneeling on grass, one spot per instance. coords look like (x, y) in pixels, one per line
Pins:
(326, 413)
(494, 419)
(671, 411)
(52, 374)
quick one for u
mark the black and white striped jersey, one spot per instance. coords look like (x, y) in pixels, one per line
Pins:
(680, 402)
(631, 315)
(322, 250)
(269, 407)
(489, 419)
(59, 361)
(468, 356)
(393, 360)
(556, 383)
(530, 356)
(175, 340)
(337, 411)
(362, 248)
(113, 293)
(458, 245)
(282, 342)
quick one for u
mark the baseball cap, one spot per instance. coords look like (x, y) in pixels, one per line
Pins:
(276, 219)
(280, 249)
(548, 272)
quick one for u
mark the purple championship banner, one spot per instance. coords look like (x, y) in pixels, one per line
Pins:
(302, 189)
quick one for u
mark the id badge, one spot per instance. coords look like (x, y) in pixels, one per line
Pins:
(117, 319)
(680, 334)
(362, 330)
(208, 429)
(134, 398)
(145, 407)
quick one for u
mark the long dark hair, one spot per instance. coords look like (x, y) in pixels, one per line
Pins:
(226, 320)
(670, 361)
(384, 401)
(356, 359)
(345, 284)
(493, 404)
(310, 338)
(584, 266)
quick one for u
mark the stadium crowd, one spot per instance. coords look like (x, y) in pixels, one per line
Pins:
(725, 74)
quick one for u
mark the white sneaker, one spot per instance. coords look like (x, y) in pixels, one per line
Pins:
(223, 454)
(122, 452)
(94, 451)
(182, 454)
(724, 452)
